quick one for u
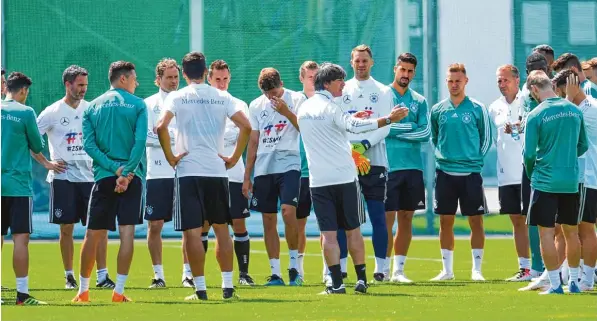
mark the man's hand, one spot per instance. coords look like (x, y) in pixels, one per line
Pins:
(247, 188)
(174, 161)
(508, 127)
(361, 147)
(122, 183)
(279, 105)
(363, 164)
(398, 113)
(229, 161)
(58, 166)
(572, 87)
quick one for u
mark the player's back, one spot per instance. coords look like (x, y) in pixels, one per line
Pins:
(201, 112)
(557, 123)
(18, 130)
(326, 143)
(112, 120)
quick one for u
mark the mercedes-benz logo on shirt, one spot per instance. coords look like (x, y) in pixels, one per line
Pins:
(346, 99)
(264, 114)
(64, 121)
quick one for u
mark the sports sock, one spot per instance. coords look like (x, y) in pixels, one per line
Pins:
(83, 284)
(23, 285)
(242, 248)
(336, 276)
(301, 263)
(101, 275)
(377, 216)
(477, 259)
(204, 239)
(227, 280)
(554, 279)
(158, 272)
(361, 271)
(448, 261)
(343, 264)
(186, 271)
(386, 264)
(293, 255)
(534, 241)
(274, 264)
(399, 262)
(574, 274)
(325, 271)
(524, 263)
(588, 276)
(200, 283)
(68, 272)
(120, 281)
(379, 264)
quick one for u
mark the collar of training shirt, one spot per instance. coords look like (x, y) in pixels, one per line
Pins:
(406, 93)
(163, 94)
(198, 86)
(325, 93)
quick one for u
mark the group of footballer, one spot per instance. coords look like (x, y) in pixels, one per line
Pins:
(333, 148)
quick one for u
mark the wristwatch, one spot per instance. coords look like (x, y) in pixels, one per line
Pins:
(388, 121)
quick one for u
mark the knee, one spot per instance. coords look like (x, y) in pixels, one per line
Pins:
(269, 221)
(288, 211)
(66, 231)
(238, 226)
(476, 221)
(446, 221)
(155, 227)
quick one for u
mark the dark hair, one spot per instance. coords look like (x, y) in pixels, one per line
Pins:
(544, 48)
(119, 68)
(72, 72)
(327, 73)
(561, 77)
(566, 60)
(536, 61)
(408, 58)
(269, 78)
(218, 65)
(194, 65)
(17, 80)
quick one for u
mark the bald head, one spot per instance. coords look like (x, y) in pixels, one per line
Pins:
(539, 85)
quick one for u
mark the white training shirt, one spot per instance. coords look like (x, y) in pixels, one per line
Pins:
(64, 127)
(237, 173)
(201, 112)
(509, 151)
(157, 165)
(278, 149)
(324, 126)
(376, 99)
(589, 111)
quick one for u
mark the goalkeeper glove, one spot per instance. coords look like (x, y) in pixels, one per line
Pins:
(361, 147)
(363, 164)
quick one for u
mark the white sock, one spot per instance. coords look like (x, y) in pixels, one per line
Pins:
(554, 279)
(325, 265)
(68, 272)
(588, 275)
(564, 269)
(158, 272)
(524, 263)
(301, 263)
(477, 259)
(574, 273)
(101, 275)
(83, 284)
(399, 261)
(186, 271)
(448, 261)
(274, 264)
(379, 263)
(343, 265)
(227, 280)
(293, 254)
(386, 264)
(120, 281)
(200, 283)
(545, 275)
(23, 285)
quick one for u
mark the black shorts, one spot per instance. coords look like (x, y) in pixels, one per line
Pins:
(450, 190)
(239, 205)
(338, 206)
(510, 199)
(199, 199)
(547, 209)
(588, 205)
(267, 189)
(373, 185)
(106, 205)
(406, 191)
(159, 199)
(16, 214)
(69, 201)
(525, 190)
(304, 204)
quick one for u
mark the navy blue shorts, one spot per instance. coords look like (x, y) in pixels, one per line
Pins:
(510, 199)
(159, 199)
(239, 204)
(267, 189)
(406, 191)
(338, 206)
(373, 185)
(69, 201)
(200, 199)
(16, 214)
(106, 205)
(450, 190)
(304, 204)
(547, 209)
(588, 205)
(525, 190)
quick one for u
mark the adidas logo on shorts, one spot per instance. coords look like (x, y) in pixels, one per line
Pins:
(481, 208)
(381, 175)
(421, 203)
(295, 199)
(245, 211)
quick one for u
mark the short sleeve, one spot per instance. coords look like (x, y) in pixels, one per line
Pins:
(45, 121)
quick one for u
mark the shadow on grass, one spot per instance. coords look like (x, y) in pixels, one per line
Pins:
(220, 301)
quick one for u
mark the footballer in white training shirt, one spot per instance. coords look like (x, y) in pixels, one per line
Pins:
(505, 114)
(70, 170)
(363, 93)
(219, 77)
(201, 183)
(160, 175)
(333, 179)
(273, 158)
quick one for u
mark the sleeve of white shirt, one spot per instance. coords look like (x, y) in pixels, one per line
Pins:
(232, 107)
(352, 124)
(492, 116)
(44, 121)
(170, 103)
(253, 114)
(386, 107)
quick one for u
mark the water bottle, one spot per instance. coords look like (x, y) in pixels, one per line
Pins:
(515, 134)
